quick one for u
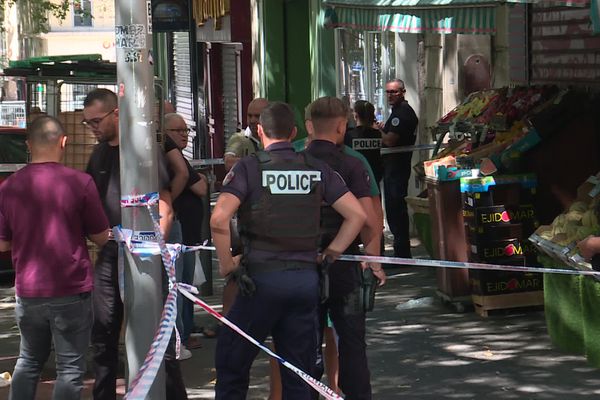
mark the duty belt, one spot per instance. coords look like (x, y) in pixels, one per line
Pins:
(280, 265)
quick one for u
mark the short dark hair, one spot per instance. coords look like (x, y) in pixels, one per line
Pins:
(45, 130)
(277, 120)
(328, 108)
(107, 97)
(365, 112)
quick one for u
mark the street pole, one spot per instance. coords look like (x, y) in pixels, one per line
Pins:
(143, 300)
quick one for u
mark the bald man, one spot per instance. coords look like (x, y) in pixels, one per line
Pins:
(244, 143)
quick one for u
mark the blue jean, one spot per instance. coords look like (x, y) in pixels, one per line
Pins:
(67, 323)
(184, 272)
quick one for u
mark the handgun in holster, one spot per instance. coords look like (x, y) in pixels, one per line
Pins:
(362, 298)
(324, 279)
(244, 281)
(368, 287)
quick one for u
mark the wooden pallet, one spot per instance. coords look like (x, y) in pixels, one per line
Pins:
(483, 304)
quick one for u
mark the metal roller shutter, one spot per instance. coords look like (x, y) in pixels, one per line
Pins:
(182, 83)
(232, 121)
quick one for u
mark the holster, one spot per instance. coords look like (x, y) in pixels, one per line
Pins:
(362, 298)
(245, 283)
(368, 287)
(323, 269)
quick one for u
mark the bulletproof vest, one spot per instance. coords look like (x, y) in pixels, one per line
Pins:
(366, 141)
(331, 220)
(286, 215)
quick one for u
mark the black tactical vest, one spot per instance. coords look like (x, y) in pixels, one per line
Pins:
(367, 141)
(286, 215)
(331, 220)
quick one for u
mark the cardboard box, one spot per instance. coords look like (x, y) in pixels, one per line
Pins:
(504, 282)
(496, 250)
(497, 215)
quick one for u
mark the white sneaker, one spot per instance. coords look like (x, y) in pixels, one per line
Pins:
(184, 353)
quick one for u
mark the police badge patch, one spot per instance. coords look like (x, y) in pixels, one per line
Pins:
(229, 177)
(395, 121)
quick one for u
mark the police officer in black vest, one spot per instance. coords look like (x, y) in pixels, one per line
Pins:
(399, 130)
(345, 306)
(364, 138)
(277, 194)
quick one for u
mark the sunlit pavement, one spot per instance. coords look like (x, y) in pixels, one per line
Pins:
(427, 352)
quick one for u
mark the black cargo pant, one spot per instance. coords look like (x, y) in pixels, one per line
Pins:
(108, 318)
(349, 324)
(395, 185)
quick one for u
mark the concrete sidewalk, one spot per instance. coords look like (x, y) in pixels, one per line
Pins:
(427, 352)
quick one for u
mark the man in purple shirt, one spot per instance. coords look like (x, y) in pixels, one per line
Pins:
(46, 212)
(279, 194)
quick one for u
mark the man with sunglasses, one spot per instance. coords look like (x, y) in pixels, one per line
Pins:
(398, 130)
(101, 116)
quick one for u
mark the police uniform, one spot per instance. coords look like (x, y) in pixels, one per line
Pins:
(396, 173)
(281, 193)
(242, 144)
(344, 279)
(367, 141)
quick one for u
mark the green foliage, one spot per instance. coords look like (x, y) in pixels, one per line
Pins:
(34, 14)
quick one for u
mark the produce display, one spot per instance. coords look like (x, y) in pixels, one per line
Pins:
(559, 239)
(489, 131)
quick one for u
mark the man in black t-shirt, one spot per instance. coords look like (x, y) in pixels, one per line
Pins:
(189, 211)
(101, 116)
(398, 130)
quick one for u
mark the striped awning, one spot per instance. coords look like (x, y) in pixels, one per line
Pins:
(419, 16)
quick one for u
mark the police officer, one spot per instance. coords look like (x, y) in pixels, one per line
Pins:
(399, 130)
(328, 124)
(364, 138)
(277, 194)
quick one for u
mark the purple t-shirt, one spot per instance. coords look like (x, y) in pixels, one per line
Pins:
(244, 182)
(46, 211)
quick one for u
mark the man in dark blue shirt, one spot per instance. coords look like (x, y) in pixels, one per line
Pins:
(328, 117)
(278, 194)
(398, 130)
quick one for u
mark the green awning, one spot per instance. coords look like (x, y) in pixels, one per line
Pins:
(419, 16)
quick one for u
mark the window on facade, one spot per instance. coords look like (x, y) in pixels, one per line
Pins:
(366, 61)
(82, 13)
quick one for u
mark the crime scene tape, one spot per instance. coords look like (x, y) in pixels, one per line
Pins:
(424, 262)
(146, 375)
(406, 149)
(142, 382)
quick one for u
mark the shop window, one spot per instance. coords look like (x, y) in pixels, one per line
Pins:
(365, 62)
(82, 13)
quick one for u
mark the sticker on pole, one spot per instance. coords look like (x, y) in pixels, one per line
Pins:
(130, 36)
(149, 15)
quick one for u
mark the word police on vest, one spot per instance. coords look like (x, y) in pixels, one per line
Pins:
(290, 182)
(366, 144)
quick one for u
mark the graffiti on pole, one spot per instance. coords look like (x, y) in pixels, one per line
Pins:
(131, 36)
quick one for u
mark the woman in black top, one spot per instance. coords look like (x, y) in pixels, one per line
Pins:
(364, 138)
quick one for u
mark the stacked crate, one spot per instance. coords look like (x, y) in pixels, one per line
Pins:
(80, 140)
(499, 217)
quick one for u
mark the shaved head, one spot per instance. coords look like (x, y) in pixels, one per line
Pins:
(45, 131)
(255, 107)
